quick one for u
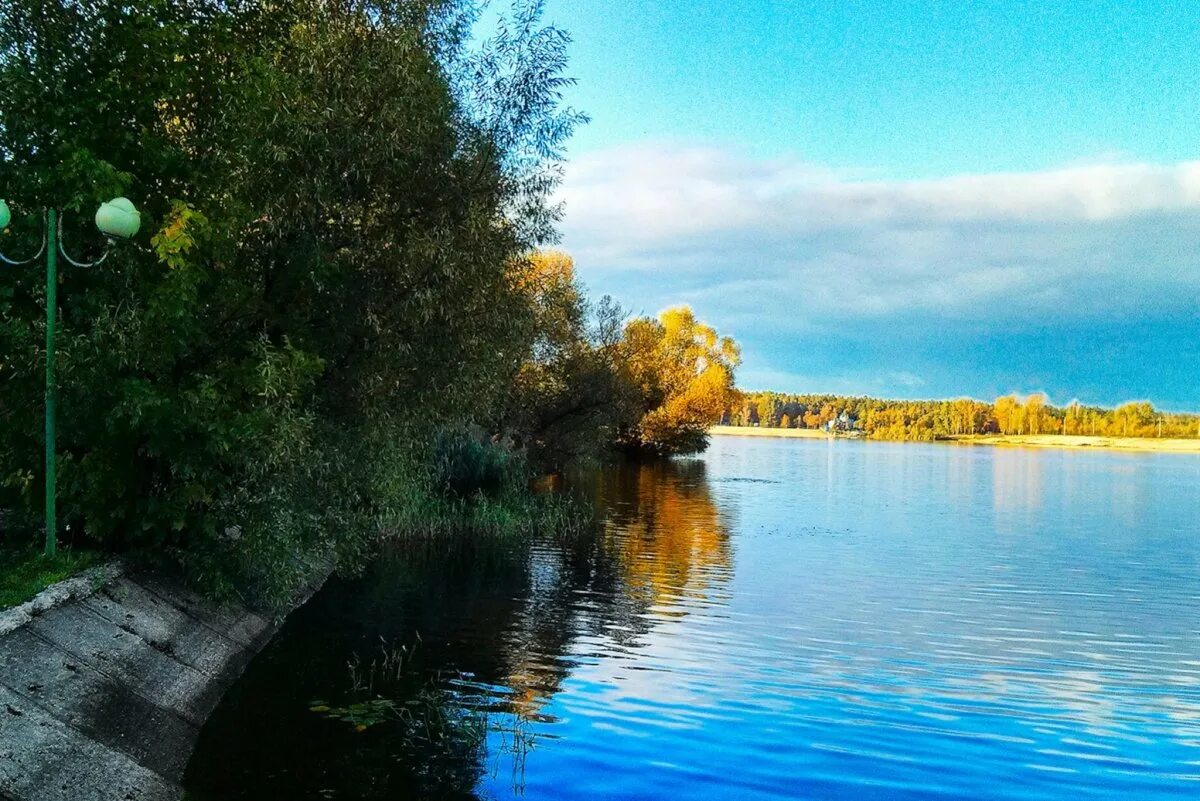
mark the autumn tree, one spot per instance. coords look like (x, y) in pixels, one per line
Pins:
(568, 398)
(922, 420)
(1008, 414)
(683, 373)
(1134, 419)
(1035, 413)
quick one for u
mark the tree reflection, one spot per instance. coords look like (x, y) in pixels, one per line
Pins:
(492, 630)
(664, 530)
(661, 544)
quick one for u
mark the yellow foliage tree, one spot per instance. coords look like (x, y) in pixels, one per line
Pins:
(684, 372)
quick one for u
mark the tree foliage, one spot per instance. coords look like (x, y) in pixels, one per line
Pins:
(335, 193)
(929, 420)
(683, 373)
(596, 380)
(569, 399)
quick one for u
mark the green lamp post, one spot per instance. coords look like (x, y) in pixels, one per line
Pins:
(117, 219)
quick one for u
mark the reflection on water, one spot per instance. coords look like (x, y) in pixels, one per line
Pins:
(782, 619)
(663, 531)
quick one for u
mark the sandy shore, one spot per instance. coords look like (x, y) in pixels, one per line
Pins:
(749, 431)
(1145, 445)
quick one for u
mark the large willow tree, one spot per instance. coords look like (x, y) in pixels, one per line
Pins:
(333, 190)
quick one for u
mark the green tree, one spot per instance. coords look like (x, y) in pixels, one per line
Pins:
(335, 194)
(568, 399)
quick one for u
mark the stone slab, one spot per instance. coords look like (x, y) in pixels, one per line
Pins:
(235, 622)
(102, 695)
(96, 704)
(158, 622)
(44, 759)
(125, 656)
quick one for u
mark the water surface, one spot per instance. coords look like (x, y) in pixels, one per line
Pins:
(780, 619)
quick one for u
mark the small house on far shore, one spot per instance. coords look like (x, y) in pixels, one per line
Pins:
(842, 424)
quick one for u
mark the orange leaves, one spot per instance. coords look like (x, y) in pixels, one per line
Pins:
(685, 372)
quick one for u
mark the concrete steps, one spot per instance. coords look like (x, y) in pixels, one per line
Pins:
(102, 696)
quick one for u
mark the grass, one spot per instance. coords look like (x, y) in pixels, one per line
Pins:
(431, 722)
(514, 513)
(25, 573)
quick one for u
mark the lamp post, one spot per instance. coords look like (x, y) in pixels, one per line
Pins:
(117, 219)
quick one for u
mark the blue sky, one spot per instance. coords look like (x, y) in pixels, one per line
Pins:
(912, 199)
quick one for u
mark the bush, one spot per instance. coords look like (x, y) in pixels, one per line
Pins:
(464, 465)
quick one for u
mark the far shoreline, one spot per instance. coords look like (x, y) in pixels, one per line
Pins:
(1060, 441)
(754, 431)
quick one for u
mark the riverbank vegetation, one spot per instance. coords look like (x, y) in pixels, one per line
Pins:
(648, 385)
(345, 205)
(1010, 415)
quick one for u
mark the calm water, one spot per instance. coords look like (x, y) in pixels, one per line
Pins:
(780, 619)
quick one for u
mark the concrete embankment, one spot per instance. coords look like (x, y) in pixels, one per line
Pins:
(106, 679)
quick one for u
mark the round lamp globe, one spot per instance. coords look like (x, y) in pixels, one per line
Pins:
(5, 215)
(118, 218)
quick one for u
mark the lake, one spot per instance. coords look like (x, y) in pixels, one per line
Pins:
(777, 619)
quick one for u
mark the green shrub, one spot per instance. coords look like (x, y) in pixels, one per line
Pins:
(465, 465)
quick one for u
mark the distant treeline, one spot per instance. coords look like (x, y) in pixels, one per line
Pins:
(929, 420)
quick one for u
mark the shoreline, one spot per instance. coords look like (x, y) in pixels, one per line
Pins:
(1060, 441)
(1077, 442)
(109, 676)
(783, 433)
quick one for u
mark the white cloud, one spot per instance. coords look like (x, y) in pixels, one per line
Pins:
(793, 246)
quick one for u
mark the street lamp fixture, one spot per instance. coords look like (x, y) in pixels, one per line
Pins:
(117, 219)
